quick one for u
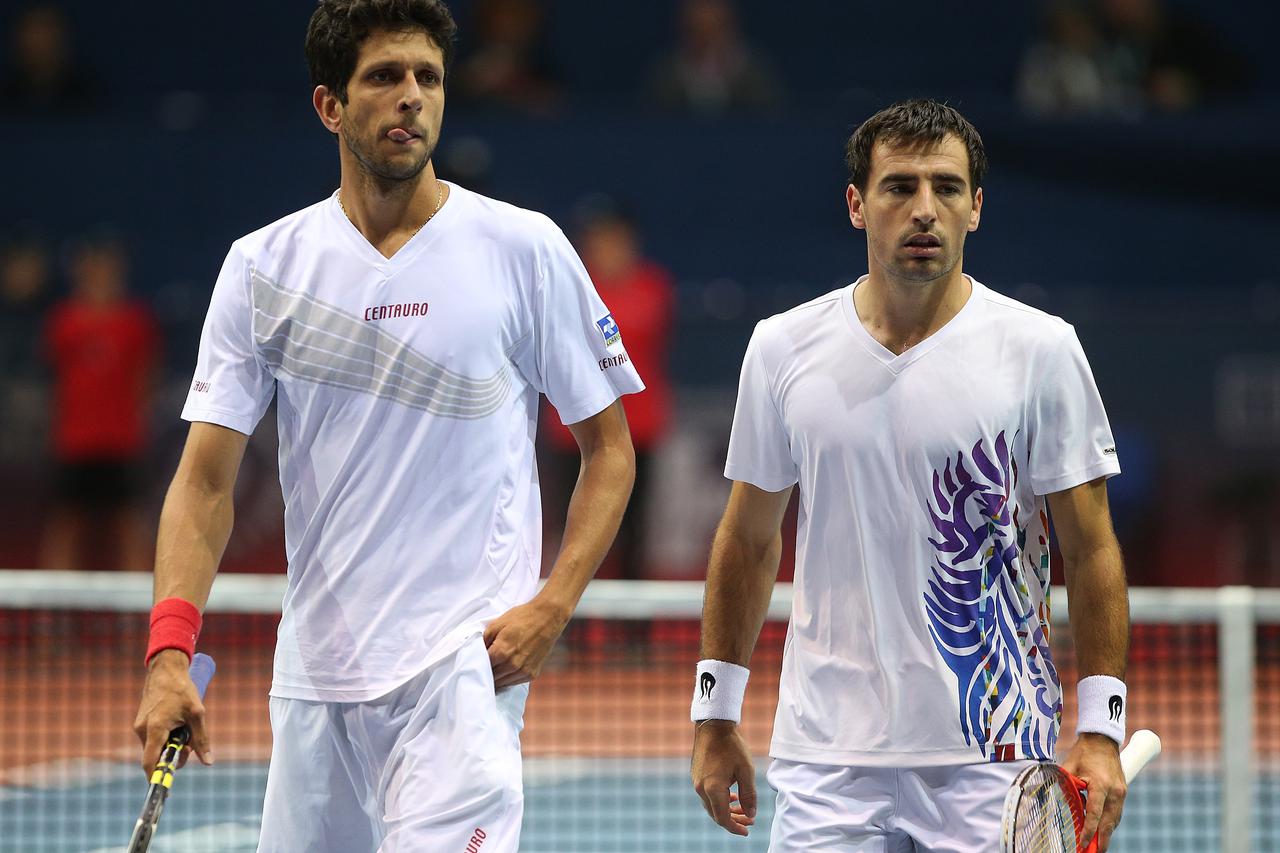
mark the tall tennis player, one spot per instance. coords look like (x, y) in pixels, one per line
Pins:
(405, 327)
(929, 422)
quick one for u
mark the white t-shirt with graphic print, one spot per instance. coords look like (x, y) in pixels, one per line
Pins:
(919, 630)
(407, 400)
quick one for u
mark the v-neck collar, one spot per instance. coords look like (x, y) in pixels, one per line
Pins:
(898, 363)
(426, 235)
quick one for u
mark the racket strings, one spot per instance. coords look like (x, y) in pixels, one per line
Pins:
(1049, 815)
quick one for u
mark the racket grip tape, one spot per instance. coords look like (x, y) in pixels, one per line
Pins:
(201, 671)
(1143, 746)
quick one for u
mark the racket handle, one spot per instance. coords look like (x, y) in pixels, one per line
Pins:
(1143, 746)
(202, 670)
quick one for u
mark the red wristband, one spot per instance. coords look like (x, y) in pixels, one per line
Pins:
(175, 624)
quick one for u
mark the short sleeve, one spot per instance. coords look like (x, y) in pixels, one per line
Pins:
(577, 357)
(1069, 437)
(232, 387)
(759, 449)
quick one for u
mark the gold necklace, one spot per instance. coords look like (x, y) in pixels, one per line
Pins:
(439, 201)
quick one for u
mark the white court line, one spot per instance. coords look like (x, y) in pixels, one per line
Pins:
(552, 771)
(64, 774)
(211, 838)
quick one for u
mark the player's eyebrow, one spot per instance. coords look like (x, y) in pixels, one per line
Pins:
(900, 177)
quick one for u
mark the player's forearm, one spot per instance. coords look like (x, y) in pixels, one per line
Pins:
(740, 579)
(595, 512)
(1098, 600)
(195, 525)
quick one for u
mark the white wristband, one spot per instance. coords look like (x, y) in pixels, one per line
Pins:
(718, 691)
(1101, 700)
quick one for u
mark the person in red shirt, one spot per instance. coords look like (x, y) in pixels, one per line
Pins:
(102, 348)
(641, 298)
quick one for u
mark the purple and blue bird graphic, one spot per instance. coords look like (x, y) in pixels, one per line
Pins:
(987, 605)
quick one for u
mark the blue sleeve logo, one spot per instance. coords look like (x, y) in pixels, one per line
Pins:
(609, 330)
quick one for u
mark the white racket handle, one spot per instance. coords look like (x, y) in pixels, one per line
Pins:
(1143, 746)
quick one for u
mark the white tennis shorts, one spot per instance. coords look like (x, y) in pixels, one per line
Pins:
(433, 765)
(887, 810)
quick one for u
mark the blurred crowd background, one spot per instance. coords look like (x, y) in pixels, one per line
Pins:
(693, 150)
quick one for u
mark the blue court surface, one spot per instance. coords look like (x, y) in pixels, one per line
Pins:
(572, 806)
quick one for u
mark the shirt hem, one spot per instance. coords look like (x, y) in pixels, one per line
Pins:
(769, 483)
(594, 406)
(447, 645)
(1106, 467)
(230, 420)
(803, 753)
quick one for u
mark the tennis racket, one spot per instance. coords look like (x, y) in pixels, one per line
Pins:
(202, 669)
(1044, 810)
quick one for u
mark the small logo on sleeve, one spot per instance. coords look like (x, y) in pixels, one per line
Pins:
(1116, 707)
(1110, 451)
(708, 683)
(609, 330)
(200, 387)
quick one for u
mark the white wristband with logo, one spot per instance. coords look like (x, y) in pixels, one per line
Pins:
(718, 691)
(1102, 700)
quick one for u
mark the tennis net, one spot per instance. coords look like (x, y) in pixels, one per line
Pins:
(606, 739)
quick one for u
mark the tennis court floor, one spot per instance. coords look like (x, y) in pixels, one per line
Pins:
(572, 806)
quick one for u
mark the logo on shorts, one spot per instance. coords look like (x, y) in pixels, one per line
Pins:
(708, 682)
(609, 330)
(1116, 707)
(477, 839)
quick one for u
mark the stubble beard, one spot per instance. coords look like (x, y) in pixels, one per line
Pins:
(917, 272)
(381, 171)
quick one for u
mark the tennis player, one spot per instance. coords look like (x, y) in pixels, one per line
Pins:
(405, 327)
(928, 420)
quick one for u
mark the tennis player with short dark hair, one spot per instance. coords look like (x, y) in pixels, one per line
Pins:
(927, 420)
(405, 327)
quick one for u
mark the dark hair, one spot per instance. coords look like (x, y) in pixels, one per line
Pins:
(916, 122)
(338, 27)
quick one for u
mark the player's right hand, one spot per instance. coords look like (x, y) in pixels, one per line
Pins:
(169, 700)
(721, 759)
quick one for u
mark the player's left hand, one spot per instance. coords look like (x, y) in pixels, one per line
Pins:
(1095, 759)
(520, 640)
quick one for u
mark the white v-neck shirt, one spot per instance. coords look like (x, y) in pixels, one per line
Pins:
(407, 400)
(919, 630)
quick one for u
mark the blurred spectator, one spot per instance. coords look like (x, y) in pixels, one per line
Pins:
(24, 405)
(24, 298)
(42, 77)
(713, 70)
(510, 66)
(103, 349)
(1069, 70)
(640, 296)
(1174, 61)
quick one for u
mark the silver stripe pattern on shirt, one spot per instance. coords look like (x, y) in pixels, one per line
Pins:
(303, 337)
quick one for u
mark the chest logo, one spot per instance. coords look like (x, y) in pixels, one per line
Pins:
(397, 309)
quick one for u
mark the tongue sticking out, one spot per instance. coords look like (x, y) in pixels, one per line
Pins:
(400, 135)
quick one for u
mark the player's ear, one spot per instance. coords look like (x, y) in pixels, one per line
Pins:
(854, 198)
(975, 215)
(327, 107)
